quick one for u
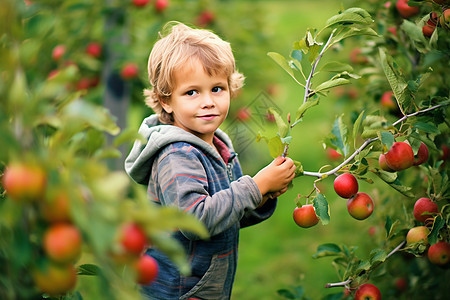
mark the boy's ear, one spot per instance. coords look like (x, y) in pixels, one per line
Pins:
(166, 106)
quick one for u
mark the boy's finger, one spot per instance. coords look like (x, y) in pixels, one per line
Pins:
(279, 160)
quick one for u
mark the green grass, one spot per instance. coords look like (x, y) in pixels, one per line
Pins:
(277, 253)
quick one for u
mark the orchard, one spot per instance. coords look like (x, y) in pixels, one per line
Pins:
(74, 226)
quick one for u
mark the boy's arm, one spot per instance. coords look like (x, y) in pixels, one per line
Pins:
(259, 214)
(183, 181)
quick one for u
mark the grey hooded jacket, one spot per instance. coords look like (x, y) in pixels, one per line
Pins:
(182, 170)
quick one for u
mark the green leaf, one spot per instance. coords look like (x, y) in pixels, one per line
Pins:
(297, 55)
(286, 294)
(357, 126)
(388, 177)
(353, 15)
(413, 31)
(340, 133)
(331, 84)
(298, 168)
(282, 62)
(328, 249)
(395, 79)
(336, 67)
(353, 31)
(396, 184)
(83, 112)
(438, 224)
(128, 135)
(304, 107)
(377, 256)
(320, 204)
(301, 45)
(276, 146)
(363, 265)
(283, 127)
(88, 269)
(427, 127)
(387, 138)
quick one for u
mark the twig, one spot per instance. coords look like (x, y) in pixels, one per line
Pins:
(308, 83)
(313, 69)
(396, 249)
(335, 284)
(343, 283)
(367, 142)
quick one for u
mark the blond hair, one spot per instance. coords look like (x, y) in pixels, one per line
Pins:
(177, 46)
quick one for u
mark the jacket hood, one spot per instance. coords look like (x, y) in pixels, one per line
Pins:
(138, 163)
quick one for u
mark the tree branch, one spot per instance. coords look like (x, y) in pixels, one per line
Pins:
(313, 69)
(343, 283)
(367, 142)
(335, 284)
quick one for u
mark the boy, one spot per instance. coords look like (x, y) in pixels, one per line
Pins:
(190, 163)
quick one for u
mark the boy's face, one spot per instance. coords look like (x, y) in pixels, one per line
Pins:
(199, 102)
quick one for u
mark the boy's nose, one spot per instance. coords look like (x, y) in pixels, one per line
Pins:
(208, 102)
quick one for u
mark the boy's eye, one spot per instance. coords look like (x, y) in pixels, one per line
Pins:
(216, 89)
(191, 92)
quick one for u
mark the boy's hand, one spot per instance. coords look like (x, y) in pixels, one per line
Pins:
(275, 177)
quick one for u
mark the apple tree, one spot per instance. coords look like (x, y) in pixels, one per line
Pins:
(394, 136)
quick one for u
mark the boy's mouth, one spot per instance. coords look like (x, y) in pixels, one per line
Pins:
(208, 117)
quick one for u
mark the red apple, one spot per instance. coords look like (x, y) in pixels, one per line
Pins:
(360, 206)
(161, 5)
(62, 242)
(400, 156)
(129, 71)
(405, 10)
(133, 238)
(58, 52)
(422, 206)
(383, 164)
(244, 114)
(140, 3)
(388, 100)
(205, 18)
(417, 234)
(392, 30)
(146, 269)
(24, 182)
(356, 57)
(439, 253)
(333, 154)
(422, 155)
(445, 153)
(372, 230)
(56, 207)
(367, 291)
(83, 84)
(346, 185)
(305, 216)
(94, 49)
(55, 279)
(444, 19)
(401, 284)
(428, 30)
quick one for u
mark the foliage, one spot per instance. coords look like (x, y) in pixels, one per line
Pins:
(398, 58)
